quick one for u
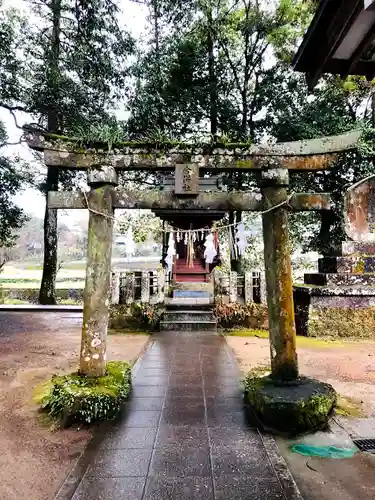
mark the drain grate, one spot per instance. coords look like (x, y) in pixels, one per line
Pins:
(365, 445)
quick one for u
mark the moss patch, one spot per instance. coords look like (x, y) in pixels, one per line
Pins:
(349, 407)
(292, 408)
(262, 334)
(73, 398)
(259, 371)
(301, 341)
(113, 331)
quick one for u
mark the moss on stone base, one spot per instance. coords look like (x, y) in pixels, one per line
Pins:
(74, 398)
(295, 407)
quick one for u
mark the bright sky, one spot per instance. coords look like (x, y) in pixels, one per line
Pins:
(134, 18)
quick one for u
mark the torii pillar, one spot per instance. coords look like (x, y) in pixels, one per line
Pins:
(98, 271)
(278, 269)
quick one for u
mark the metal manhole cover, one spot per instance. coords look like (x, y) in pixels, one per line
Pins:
(365, 445)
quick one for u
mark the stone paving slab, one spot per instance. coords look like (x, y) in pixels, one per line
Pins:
(182, 434)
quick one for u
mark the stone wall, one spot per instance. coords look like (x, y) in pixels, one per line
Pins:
(341, 312)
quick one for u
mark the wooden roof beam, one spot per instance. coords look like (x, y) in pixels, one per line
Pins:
(362, 48)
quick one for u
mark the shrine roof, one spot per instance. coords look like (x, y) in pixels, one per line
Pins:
(340, 40)
(312, 154)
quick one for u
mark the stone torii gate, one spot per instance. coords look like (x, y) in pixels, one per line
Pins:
(273, 163)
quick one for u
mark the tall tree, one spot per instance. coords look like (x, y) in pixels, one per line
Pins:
(13, 176)
(77, 71)
(13, 171)
(334, 107)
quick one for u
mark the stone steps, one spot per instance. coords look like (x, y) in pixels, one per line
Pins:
(191, 277)
(187, 325)
(194, 286)
(190, 308)
(190, 294)
(178, 315)
(188, 301)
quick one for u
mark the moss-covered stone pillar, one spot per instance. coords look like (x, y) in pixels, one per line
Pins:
(277, 261)
(98, 272)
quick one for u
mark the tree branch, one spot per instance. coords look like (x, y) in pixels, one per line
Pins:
(231, 64)
(3, 144)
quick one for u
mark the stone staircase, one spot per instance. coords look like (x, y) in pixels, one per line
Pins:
(190, 308)
(197, 273)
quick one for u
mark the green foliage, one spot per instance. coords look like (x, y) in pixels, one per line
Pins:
(108, 134)
(74, 398)
(77, 63)
(367, 143)
(234, 315)
(334, 107)
(206, 62)
(13, 177)
(135, 316)
(11, 216)
(144, 224)
(11, 25)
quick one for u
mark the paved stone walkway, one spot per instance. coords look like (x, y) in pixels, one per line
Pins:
(183, 435)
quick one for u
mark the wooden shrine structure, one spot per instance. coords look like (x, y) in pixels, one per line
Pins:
(187, 162)
(185, 269)
(340, 40)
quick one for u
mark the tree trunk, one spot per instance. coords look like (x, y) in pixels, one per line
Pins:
(328, 245)
(238, 263)
(233, 261)
(156, 14)
(212, 75)
(47, 294)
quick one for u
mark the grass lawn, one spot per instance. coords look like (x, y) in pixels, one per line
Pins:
(36, 284)
(301, 341)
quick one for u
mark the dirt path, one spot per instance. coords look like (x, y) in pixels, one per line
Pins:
(34, 461)
(348, 366)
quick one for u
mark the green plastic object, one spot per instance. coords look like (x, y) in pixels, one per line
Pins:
(323, 451)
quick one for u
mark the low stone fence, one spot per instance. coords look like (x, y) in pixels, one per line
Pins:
(152, 286)
(232, 287)
(146, 286)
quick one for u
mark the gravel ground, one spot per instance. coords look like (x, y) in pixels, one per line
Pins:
(349, 366)
(35, 460)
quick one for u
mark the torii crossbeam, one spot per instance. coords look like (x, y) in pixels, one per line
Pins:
(273, 163)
